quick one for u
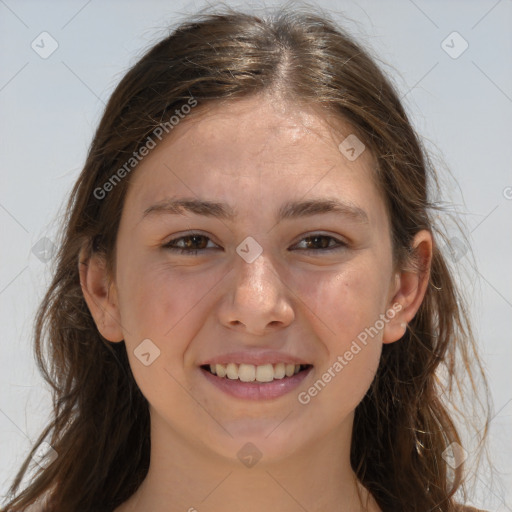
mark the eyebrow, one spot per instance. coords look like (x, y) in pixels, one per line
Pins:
(290, 210)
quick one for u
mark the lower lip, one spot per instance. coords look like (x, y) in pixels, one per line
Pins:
(257, 390)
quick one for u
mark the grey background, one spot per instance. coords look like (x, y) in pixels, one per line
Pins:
(49, 108)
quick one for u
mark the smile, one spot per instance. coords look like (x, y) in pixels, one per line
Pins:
(251, 373)
(253, 382)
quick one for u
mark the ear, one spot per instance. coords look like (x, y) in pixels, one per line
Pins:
(100, 295)
(409, 288)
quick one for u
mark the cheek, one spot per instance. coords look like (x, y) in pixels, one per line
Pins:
(165, 304)
(347, 309)
(345, 302)
(156, 298)
(160, 304)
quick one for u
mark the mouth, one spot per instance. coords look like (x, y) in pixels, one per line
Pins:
(256, 382)
(260, 374)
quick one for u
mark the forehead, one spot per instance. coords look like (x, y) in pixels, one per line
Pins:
(253, 132)
(255, 151)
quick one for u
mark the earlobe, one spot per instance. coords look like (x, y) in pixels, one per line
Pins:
(410, 288)
(100, 295)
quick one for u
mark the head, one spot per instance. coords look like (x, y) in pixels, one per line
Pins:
(252, 115)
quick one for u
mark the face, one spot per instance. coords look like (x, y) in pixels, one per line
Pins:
(279, 253)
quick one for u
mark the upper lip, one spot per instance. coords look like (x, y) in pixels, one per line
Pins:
(255, 358)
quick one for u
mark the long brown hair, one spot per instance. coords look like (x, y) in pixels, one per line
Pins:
(100, 426)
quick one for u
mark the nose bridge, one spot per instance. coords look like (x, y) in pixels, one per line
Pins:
(257, 297)
(257, 282)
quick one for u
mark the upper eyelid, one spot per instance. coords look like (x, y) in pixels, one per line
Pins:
(303, 237)
(189, 235)
(340, 243)
(339, 238)
(186, 234)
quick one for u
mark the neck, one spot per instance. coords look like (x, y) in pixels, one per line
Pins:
(190, 478)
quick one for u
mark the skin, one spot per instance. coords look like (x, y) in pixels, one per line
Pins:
(312, 304)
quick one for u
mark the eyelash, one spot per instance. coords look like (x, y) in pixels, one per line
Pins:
(192, 252)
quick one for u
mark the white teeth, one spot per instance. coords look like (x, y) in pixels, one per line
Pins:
(279, 371)
(232, 371)
(251, 373)
(290, 369)
(220, 370)
(264, 373)
(247, 372)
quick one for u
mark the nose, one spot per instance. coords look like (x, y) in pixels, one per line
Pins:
(258, 300)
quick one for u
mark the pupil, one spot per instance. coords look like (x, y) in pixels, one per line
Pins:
(320, 241)
(194, 240)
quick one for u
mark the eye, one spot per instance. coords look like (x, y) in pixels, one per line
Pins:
(319, 242)
(193, 243)
(188, 244)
